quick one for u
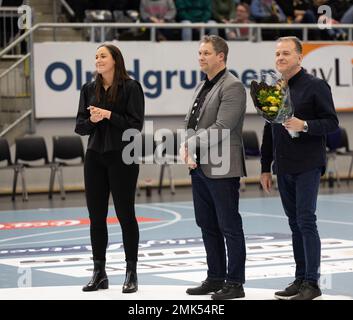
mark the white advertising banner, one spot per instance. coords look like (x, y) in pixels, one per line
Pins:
(169, 72)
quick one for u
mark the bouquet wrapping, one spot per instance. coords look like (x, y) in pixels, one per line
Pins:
(272, 100)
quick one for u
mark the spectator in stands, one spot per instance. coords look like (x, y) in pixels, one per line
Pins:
(158, 11)
(108, 106)
(267, 11)
(236, 2)
(9, 28)
(124, 5)
(11, 3)
(79, 6)
(339, 8)
(294, 10)
(313, 14)
(222, 11)
(242, 14)
(191, 11)
(348, 16)
(127, 11)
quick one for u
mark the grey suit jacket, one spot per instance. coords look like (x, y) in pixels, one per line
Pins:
(219, 131)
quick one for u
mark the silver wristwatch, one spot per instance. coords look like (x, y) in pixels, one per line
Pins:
(306, 127)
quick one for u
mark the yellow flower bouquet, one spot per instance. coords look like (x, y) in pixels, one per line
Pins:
(272, 101)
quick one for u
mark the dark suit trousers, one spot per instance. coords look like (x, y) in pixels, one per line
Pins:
(299, 196)
(216, 203)
(104, 174)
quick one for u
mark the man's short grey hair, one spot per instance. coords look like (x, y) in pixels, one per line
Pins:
(218, 44)
(297, 42)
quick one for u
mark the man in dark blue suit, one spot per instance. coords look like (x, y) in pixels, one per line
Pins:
(299, 163)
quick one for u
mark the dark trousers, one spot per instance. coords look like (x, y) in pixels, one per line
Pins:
(105, 174)
(216, 203)
(299, 196)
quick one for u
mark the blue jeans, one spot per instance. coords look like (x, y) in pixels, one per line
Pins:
(216, 203)
(299, 196)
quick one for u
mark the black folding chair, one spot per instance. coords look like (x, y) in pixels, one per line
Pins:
(145, 148)
(5, 155)
(337, 144)
(333, 142)
(66, 151)
(29, 151)
(251, 149)
(167, 150)
(251, 145)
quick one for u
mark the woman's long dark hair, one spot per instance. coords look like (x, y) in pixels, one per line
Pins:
(120, 74)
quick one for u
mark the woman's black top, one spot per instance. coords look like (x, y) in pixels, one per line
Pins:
(127, 112)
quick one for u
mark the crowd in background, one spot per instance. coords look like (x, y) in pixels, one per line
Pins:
(212, 11)
(227, 11)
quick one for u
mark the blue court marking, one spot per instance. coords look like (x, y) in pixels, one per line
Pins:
(261, 217)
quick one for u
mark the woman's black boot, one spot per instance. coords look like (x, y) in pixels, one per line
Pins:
(130, 284)
(99, 279)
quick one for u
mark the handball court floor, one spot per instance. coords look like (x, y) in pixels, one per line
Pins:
(45, 249)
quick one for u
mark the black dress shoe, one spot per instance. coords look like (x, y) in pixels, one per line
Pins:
(99, 279)
(229, 291)
(206, 287)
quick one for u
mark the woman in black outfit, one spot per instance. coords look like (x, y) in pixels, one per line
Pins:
(108, 106)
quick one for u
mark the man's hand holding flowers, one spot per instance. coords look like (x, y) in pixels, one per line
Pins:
(294, 124)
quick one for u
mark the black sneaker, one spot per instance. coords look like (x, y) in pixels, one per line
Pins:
(229, 291)
(290, 291)
(206, 287)
(308, 291)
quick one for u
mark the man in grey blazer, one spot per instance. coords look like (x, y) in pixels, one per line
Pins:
(214, 153)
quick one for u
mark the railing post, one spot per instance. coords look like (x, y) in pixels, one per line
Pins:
(55, 13)
(102, 34)
(202, 32)
(92, 34)
(305, 34)
(258, 35)
(30, 46)
(153, 34)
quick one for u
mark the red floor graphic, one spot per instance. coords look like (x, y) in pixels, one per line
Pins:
(62, 223)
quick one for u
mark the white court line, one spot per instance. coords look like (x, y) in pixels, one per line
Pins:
(337, 195)
(253, 214)
(177, 206)
(177, 218)
(336, 200)
(167, 203)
